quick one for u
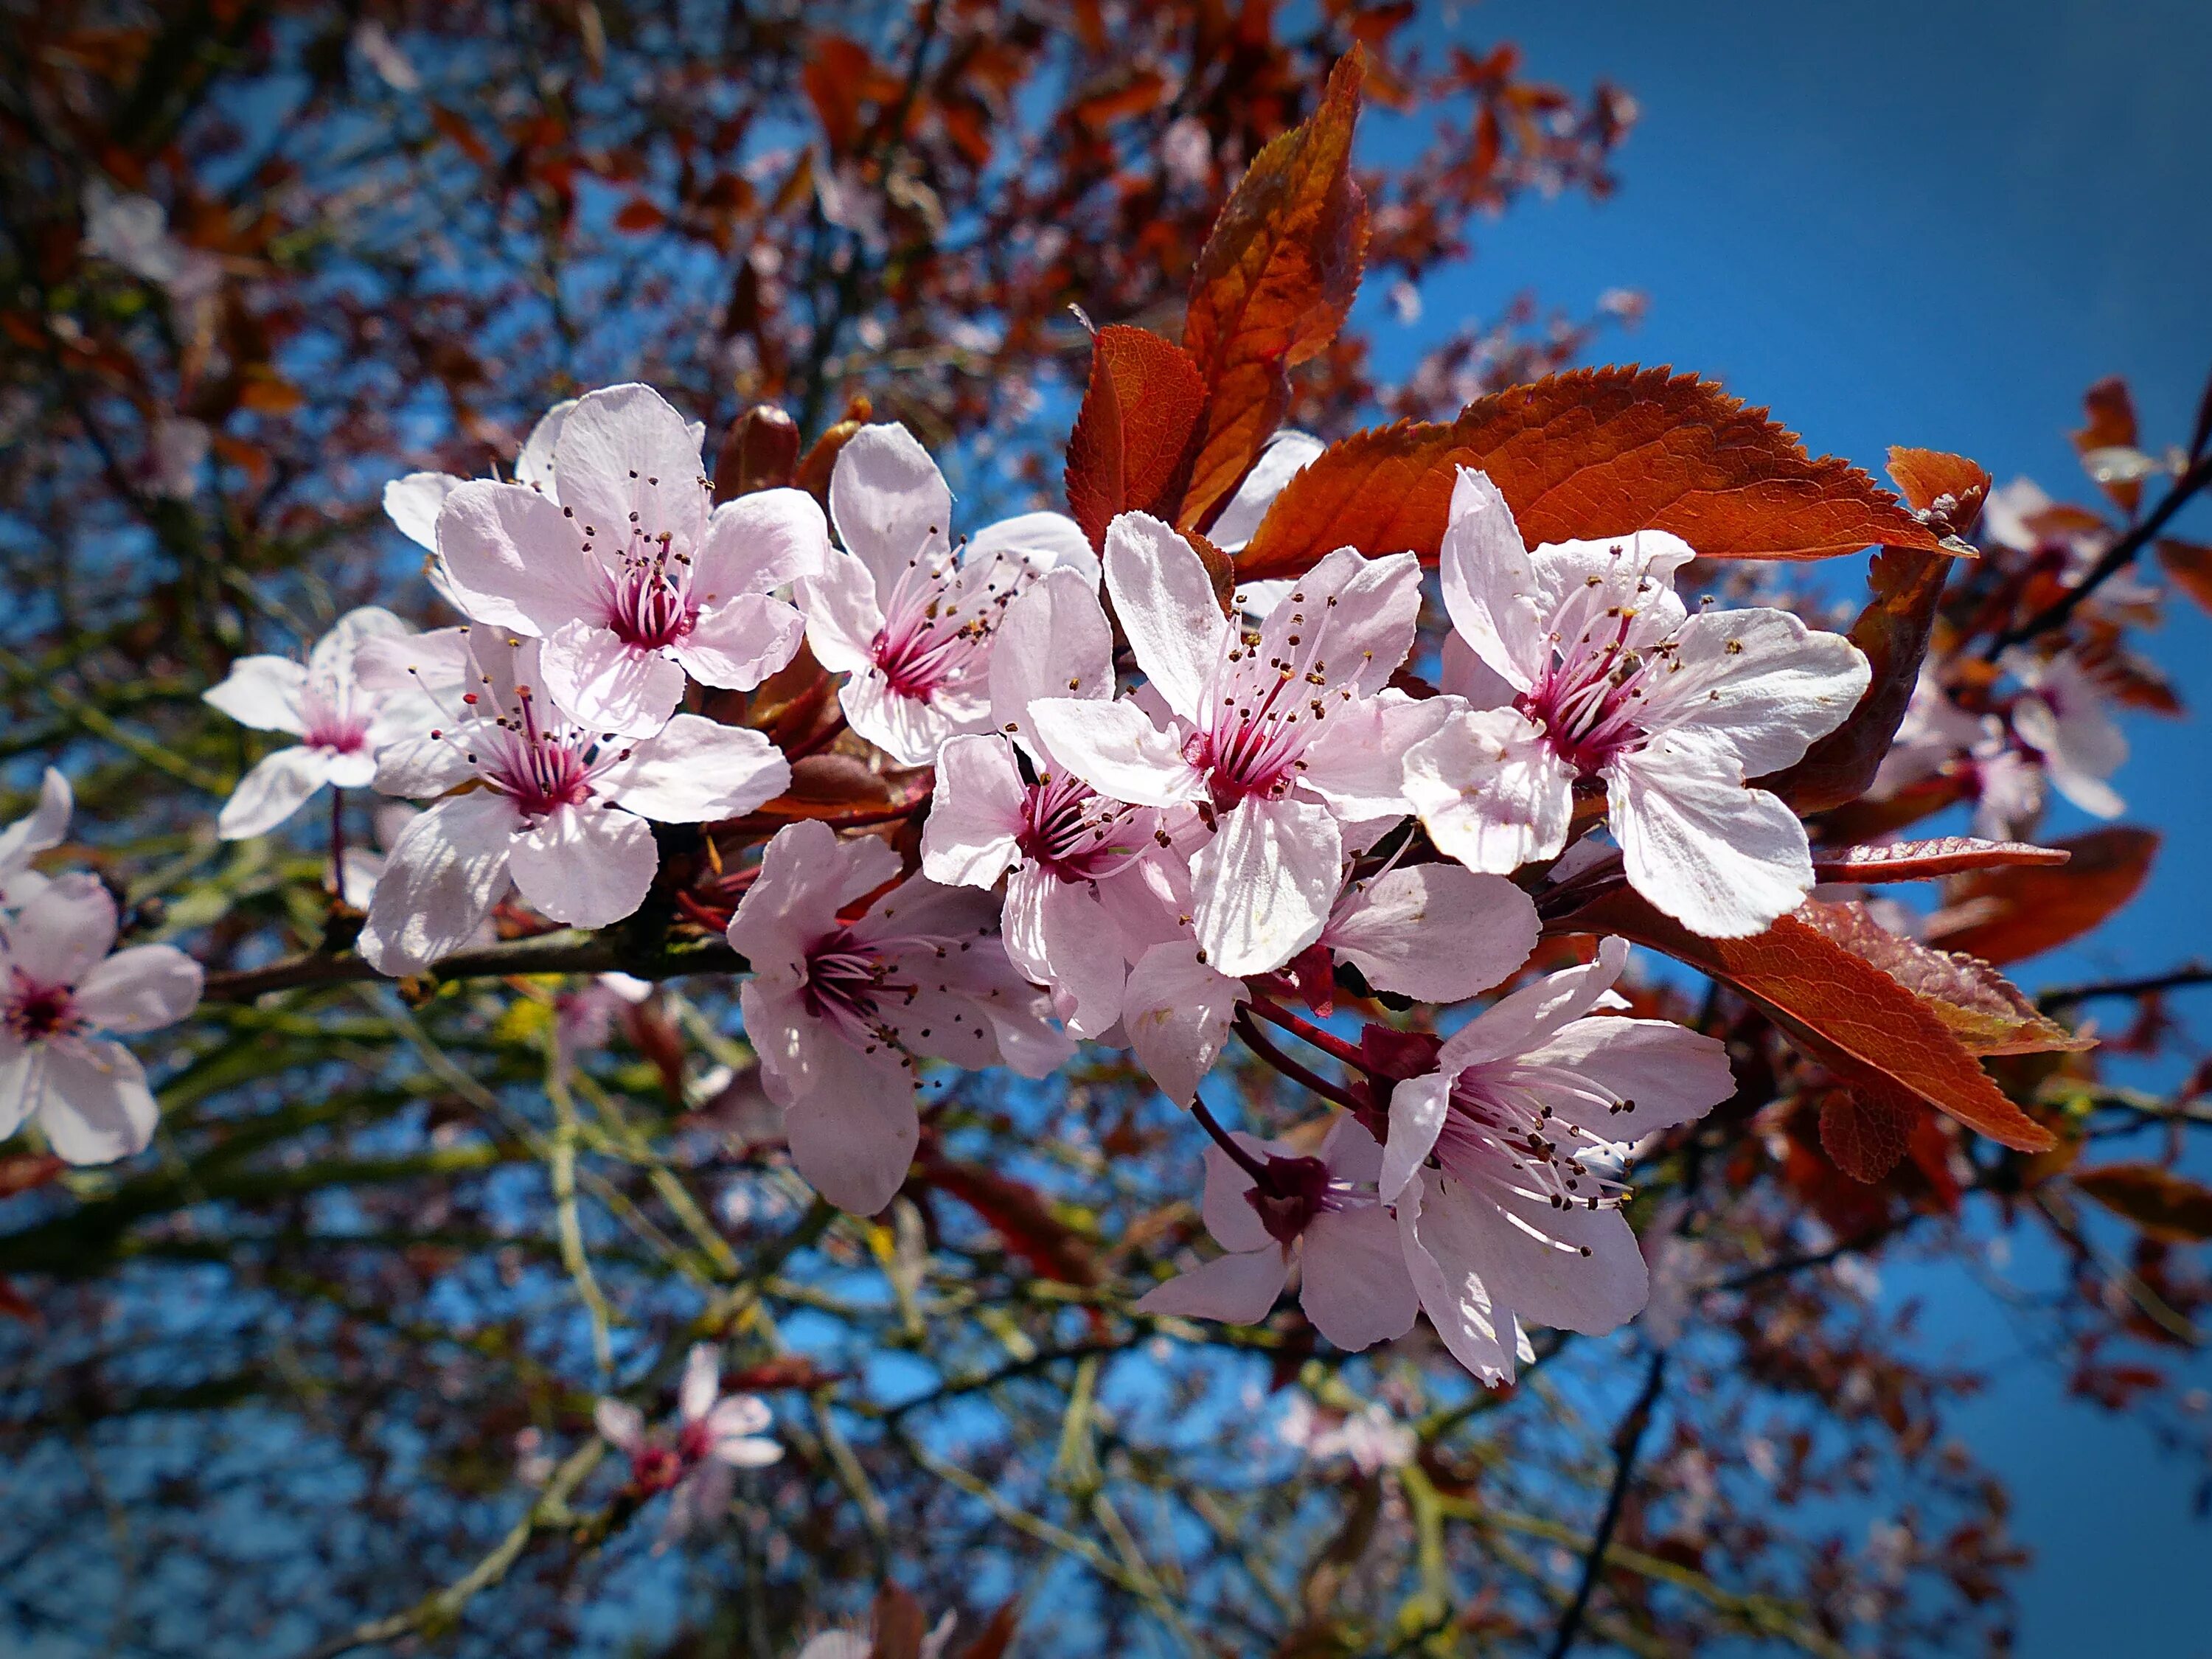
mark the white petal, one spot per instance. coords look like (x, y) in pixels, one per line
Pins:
(908, 730)
(1176, 1011)
(807, 875)
(535, 465)
(587, 865)
(1435, 933)
(740, 642)
(1451, 1289)
(512, 560)
(1042, 542)
(1722, 859)
(1357, 761)
(262, 692)
(1053, 642)
(412, 503)
(1226, 1204)
(1516, 1024)
(61, 930)
(277, 786)
(701, 1381)
(975, 814)
(1084, 952)
(889, 501)
(1354, 1282)
(697, 771)
(1351, 1153)
(1366, 610)
(759, 542)
(1764, 681)
(1490, 791)
(45, 826)
(1490, 584)
(1237, 1289)
(1119, 752)
(1165, 602)
(1530, 1257)
(96, 1107)
(606, 685)
(140, 989)
(627, 464)
(1264, 884)
(849, 1116)
(1670, 1074)
(441, 879)
(1417, 1106)
(843, 614)
(1287, 453)
(738, 1415)
(621, 1426)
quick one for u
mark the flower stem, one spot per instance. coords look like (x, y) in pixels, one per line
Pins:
(1327, 1042)
(1229, 1144)
(1258, 1042)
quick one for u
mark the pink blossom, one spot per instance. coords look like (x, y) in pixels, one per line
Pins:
(1281, 737)
(562, 811)
(1073, 853)
(1602, 674)
(60, 990)
(908, 619)
(1177, 1012)
(715, 1437)
(25, 839)
(614, 559)
(1433, 932)
(413, 503)
(1527, 1118)
(842, 1013)
(2063, 715)
(342, 719)
(1352, 1273)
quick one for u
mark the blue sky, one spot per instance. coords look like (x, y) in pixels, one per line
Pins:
(1933, 223)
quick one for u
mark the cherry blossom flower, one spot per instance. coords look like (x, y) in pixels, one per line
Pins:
(622, 569)
(2064, 716)
(716, 1435)
(132, 231)
(60, 990)
(1352, 1281)
(1177, 1012)
(342, 719)
(1601, 673)
(1371, 1438)
(906, 617)
(28, 837)
(564, 812)
(842, 1013)
(1276, 735)
(413, 503)
(1435, 933)
(1528, 1116)
(1073, 854)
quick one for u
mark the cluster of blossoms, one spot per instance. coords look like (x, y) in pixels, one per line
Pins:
(1148, 848)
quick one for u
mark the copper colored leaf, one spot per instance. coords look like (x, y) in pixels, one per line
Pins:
(1272, 284)
(1135, 436)
(2188, 566)
(1892, 633)
(2163, 1204)
(1022, 1215)
(1920, 860)
(1589, 455)
(2109, 410)
(837, 75)
(759, 452)
(1840, 1010)
(1866, 1131)
(995, 1640)
(21, 1171)
(2006, 915)
(1125, 92)
(901, 1624)
(1947, 491)
(1984, 1010)
(638, 214)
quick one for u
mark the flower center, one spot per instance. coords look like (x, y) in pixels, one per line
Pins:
(1502, 1130)
(35, 1012)
(1075, 833)
(1262, 713)
(656, 1468)
(844, 978)
(650, 604)
(331, 722)
(1297, 1190)
(1590, 700)
(938, 621)
(539, 767)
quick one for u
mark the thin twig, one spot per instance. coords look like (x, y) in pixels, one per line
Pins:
(1627, 1441)
(1258, 1042)
(2176, 979)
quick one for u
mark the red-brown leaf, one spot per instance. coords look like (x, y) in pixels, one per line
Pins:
(21, 1171)
(2163, 1204)
(2110, 424)
(1135, 436)
(1593, 453)
(1946, 490)
(1020, 1214)
(1840, 1010)
(640, 215)
(2006, 915)
(2188, 566)
(1866, 1130)
(1919, 860)
(1272, 285)
(1984, 1010)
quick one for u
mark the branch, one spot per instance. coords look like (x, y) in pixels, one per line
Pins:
(2115, 558)
(2178, 979)
(1628, 1440)
(597, 954)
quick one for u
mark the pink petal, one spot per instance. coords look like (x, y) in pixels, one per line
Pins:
(889, 501)
(761, 541)
(1225, 1205)
(1490, 791)
(907, 729)
(1040, 542)
(625, 463)
(140, 989)
(512, 561)
(1435, 933)
(1366, 609)
(1722, 859)
(1084, 952)
(1237, 1289)
(621, 1426)
(62, 931)
(441, 879)
(1451, 1291)
(412, 504)
(1351, 1153)
(1417, 1106)
(96, 1107)
(1115, 749)
(849, 1115)
(1286, 454)
(1357, 761)
(1053, 642)
(1490, 586)
(604, 684)
(262, 692)
(842, 614)
(696, 771)
(740, 1415)
(702, 1374)
(1353, 1283)
(1763, 681)
(277, 786)
(588, 866)
(975, 814)
(1176, 1011)
(1528, 1017)
(740, 641)
(1265, 884)
(45, 826)
(1530, 1257)
(1671, 1074)
(535, 464)
(1165, 602)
